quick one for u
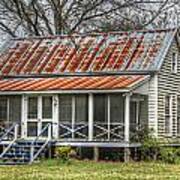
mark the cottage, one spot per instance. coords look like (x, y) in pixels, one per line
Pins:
(94, 90)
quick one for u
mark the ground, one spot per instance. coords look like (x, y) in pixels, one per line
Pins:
(52, 169)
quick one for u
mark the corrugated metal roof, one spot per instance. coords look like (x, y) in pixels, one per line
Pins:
(72, 83)
(111, 52)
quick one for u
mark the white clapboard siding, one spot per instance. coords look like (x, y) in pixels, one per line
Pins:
(153, 104)
(168, 83)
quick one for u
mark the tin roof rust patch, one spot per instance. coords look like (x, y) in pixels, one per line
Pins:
(111, 52)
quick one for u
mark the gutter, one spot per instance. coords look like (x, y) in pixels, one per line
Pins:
(78, 74)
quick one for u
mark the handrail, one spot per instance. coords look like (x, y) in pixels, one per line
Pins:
(32, 156)
(15, 126)
(42, 131)
(8, 131)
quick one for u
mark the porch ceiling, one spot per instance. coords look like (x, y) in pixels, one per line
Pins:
(72, 83)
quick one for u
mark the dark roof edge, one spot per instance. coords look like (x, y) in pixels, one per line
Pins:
(78, 74)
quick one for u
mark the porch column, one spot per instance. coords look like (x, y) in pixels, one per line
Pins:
(90, 117)
(39, 114)
(127, 127)
(73, 117)
(23, 116)
(55, 116)
(127, 118)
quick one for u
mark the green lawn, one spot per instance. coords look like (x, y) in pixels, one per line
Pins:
(78, 170)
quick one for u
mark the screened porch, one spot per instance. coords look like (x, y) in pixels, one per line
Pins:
(77, 117)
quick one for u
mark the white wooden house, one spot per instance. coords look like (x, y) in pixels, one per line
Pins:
(93, 90)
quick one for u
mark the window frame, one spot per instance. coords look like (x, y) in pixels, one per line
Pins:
(174, 62)
(178, 115)
(169, 116)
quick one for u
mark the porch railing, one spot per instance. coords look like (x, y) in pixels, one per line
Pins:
(8, 131)
(107, 132)
(47, 129)
(101, 131)
(73, 131)
(12, 130)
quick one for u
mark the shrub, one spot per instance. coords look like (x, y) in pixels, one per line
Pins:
(63, 153)
(150, 148)
(170, 155)
(153, 149)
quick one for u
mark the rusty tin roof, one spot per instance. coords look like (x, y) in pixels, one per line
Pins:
(103, 52)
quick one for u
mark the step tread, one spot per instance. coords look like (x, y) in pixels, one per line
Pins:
(20, 151)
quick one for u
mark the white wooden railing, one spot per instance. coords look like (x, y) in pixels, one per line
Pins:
(33, 154)
(107, 132)
(12, 130)
(76, 131)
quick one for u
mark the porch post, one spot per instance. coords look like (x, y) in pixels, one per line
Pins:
(127, 118)
(90, 117)
(23, 116)
(109, 117)
(39, 114)
(127, 127)
(73, 117)
(55, 117)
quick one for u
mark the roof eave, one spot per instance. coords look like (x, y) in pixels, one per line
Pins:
(129, 72)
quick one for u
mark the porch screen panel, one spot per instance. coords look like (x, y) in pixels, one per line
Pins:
(100, 108)
(47, 107)
(3, 109)
(65, 108)
(116, 108)
(133, 113)
(32, 107)
(81, 108)
(15, 108)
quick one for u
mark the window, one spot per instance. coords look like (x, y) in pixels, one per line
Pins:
(3, 109)
(32, 108)
(81, 110)
(174, 62)
(47, 107)
(178, 115)
(100, 108)
(168, 114)
(65, 108)
(116, 108)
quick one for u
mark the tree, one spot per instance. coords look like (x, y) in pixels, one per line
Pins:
(49, 17)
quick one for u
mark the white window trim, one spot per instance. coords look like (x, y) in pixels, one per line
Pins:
(170, 114)
(174, 62)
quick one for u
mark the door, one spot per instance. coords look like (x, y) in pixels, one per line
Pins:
(39, 114)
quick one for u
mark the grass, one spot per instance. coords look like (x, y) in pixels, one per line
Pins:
(53, 169)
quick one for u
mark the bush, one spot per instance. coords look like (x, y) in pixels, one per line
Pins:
(150, 148)
(170, 155)
(64, 153)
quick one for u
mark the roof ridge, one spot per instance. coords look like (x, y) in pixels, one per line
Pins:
(76, 35)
